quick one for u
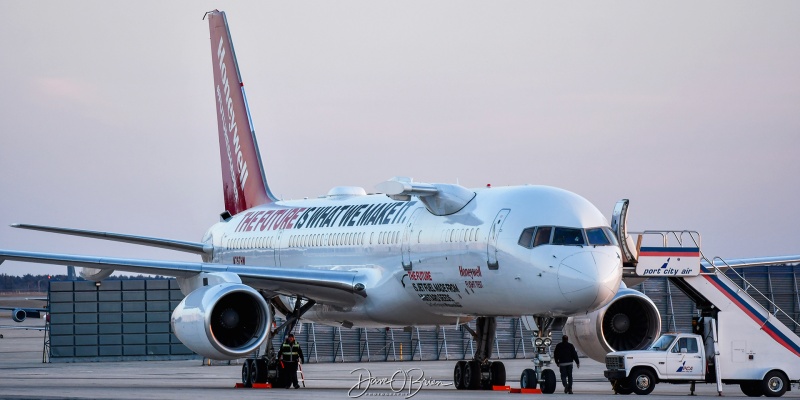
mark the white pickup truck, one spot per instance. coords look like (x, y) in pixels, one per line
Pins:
(681, 358)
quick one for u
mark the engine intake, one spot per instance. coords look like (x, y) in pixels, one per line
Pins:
(20, 314)
(222, 322)
(630, 322)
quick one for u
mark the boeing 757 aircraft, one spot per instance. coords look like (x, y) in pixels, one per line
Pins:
(414, 254)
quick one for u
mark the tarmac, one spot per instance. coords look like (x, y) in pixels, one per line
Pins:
(24, 376)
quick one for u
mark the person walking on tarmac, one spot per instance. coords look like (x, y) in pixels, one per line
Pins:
(563, 356)
(290, 355)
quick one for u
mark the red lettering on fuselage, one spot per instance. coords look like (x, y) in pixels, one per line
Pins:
(470, 272)
(269, 220)
(420, 275)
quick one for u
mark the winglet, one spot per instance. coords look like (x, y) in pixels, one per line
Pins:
(244, 182)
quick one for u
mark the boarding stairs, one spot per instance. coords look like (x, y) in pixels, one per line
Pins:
(676, 255)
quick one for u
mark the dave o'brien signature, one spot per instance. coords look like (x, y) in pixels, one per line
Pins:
(408, 382)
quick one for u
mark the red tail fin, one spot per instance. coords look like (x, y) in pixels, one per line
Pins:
(243, 180)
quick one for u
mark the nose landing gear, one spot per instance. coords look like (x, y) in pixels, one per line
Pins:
(540, 376)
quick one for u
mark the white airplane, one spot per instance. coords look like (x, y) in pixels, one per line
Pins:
(415, 254)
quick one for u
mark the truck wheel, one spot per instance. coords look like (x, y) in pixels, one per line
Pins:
(621, 386)
(528, 379)
(548, 381)
(642, 381)
(774, 384)
(751, 388)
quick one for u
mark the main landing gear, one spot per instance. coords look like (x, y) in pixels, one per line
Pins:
(480, 373)
(265, 368)
(539, 376)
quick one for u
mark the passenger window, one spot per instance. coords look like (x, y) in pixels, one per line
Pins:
(526, 237)
(542, 236)
(597, 237)
(568, 236)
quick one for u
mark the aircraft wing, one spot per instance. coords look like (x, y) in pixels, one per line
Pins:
(27, 309)
(27, 328)
(337, 287)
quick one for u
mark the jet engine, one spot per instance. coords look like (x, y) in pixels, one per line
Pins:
(19, 314)
(630, 321)
(95, 274)
(222, 322)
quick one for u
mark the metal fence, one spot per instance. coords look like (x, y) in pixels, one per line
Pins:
(129, 320)
(114, 321)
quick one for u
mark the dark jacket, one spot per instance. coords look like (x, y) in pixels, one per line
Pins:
(565, 353)
(290, 352)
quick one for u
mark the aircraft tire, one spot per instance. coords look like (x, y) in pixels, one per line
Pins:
(548, 381)
(528, 379)
(246, 373)
(254, 372)
(458, 375)
(263, 370)
(498, 370)
(472, 375)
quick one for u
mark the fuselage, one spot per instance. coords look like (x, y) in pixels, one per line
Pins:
(424, 269)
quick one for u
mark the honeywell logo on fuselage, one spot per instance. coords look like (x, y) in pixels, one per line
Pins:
(469, 272)
(229, 124)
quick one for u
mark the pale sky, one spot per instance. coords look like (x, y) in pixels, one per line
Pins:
(689, 109)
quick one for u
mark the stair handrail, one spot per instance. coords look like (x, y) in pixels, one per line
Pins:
(678, 234)
(751, 286)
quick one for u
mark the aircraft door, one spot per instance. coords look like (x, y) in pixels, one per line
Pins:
(494, 233)
(408, 236)
(276, 249)
(619, 224)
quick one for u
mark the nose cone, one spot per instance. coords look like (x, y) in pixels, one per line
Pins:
(589, 279)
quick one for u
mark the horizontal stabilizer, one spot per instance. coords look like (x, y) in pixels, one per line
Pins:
(179, 245)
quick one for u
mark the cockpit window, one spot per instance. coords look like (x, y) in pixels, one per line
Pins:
(611, 235)
(568, 236)
(542, 236)
(597, 237)
(526, 237)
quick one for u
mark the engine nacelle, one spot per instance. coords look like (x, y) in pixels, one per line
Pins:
(222, 322)
(95, 274)
(19, 314)
(630, 322)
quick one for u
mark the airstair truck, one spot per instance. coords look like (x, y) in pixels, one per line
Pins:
(736, 339)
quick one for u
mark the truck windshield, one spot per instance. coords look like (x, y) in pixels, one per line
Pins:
(662, 344)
